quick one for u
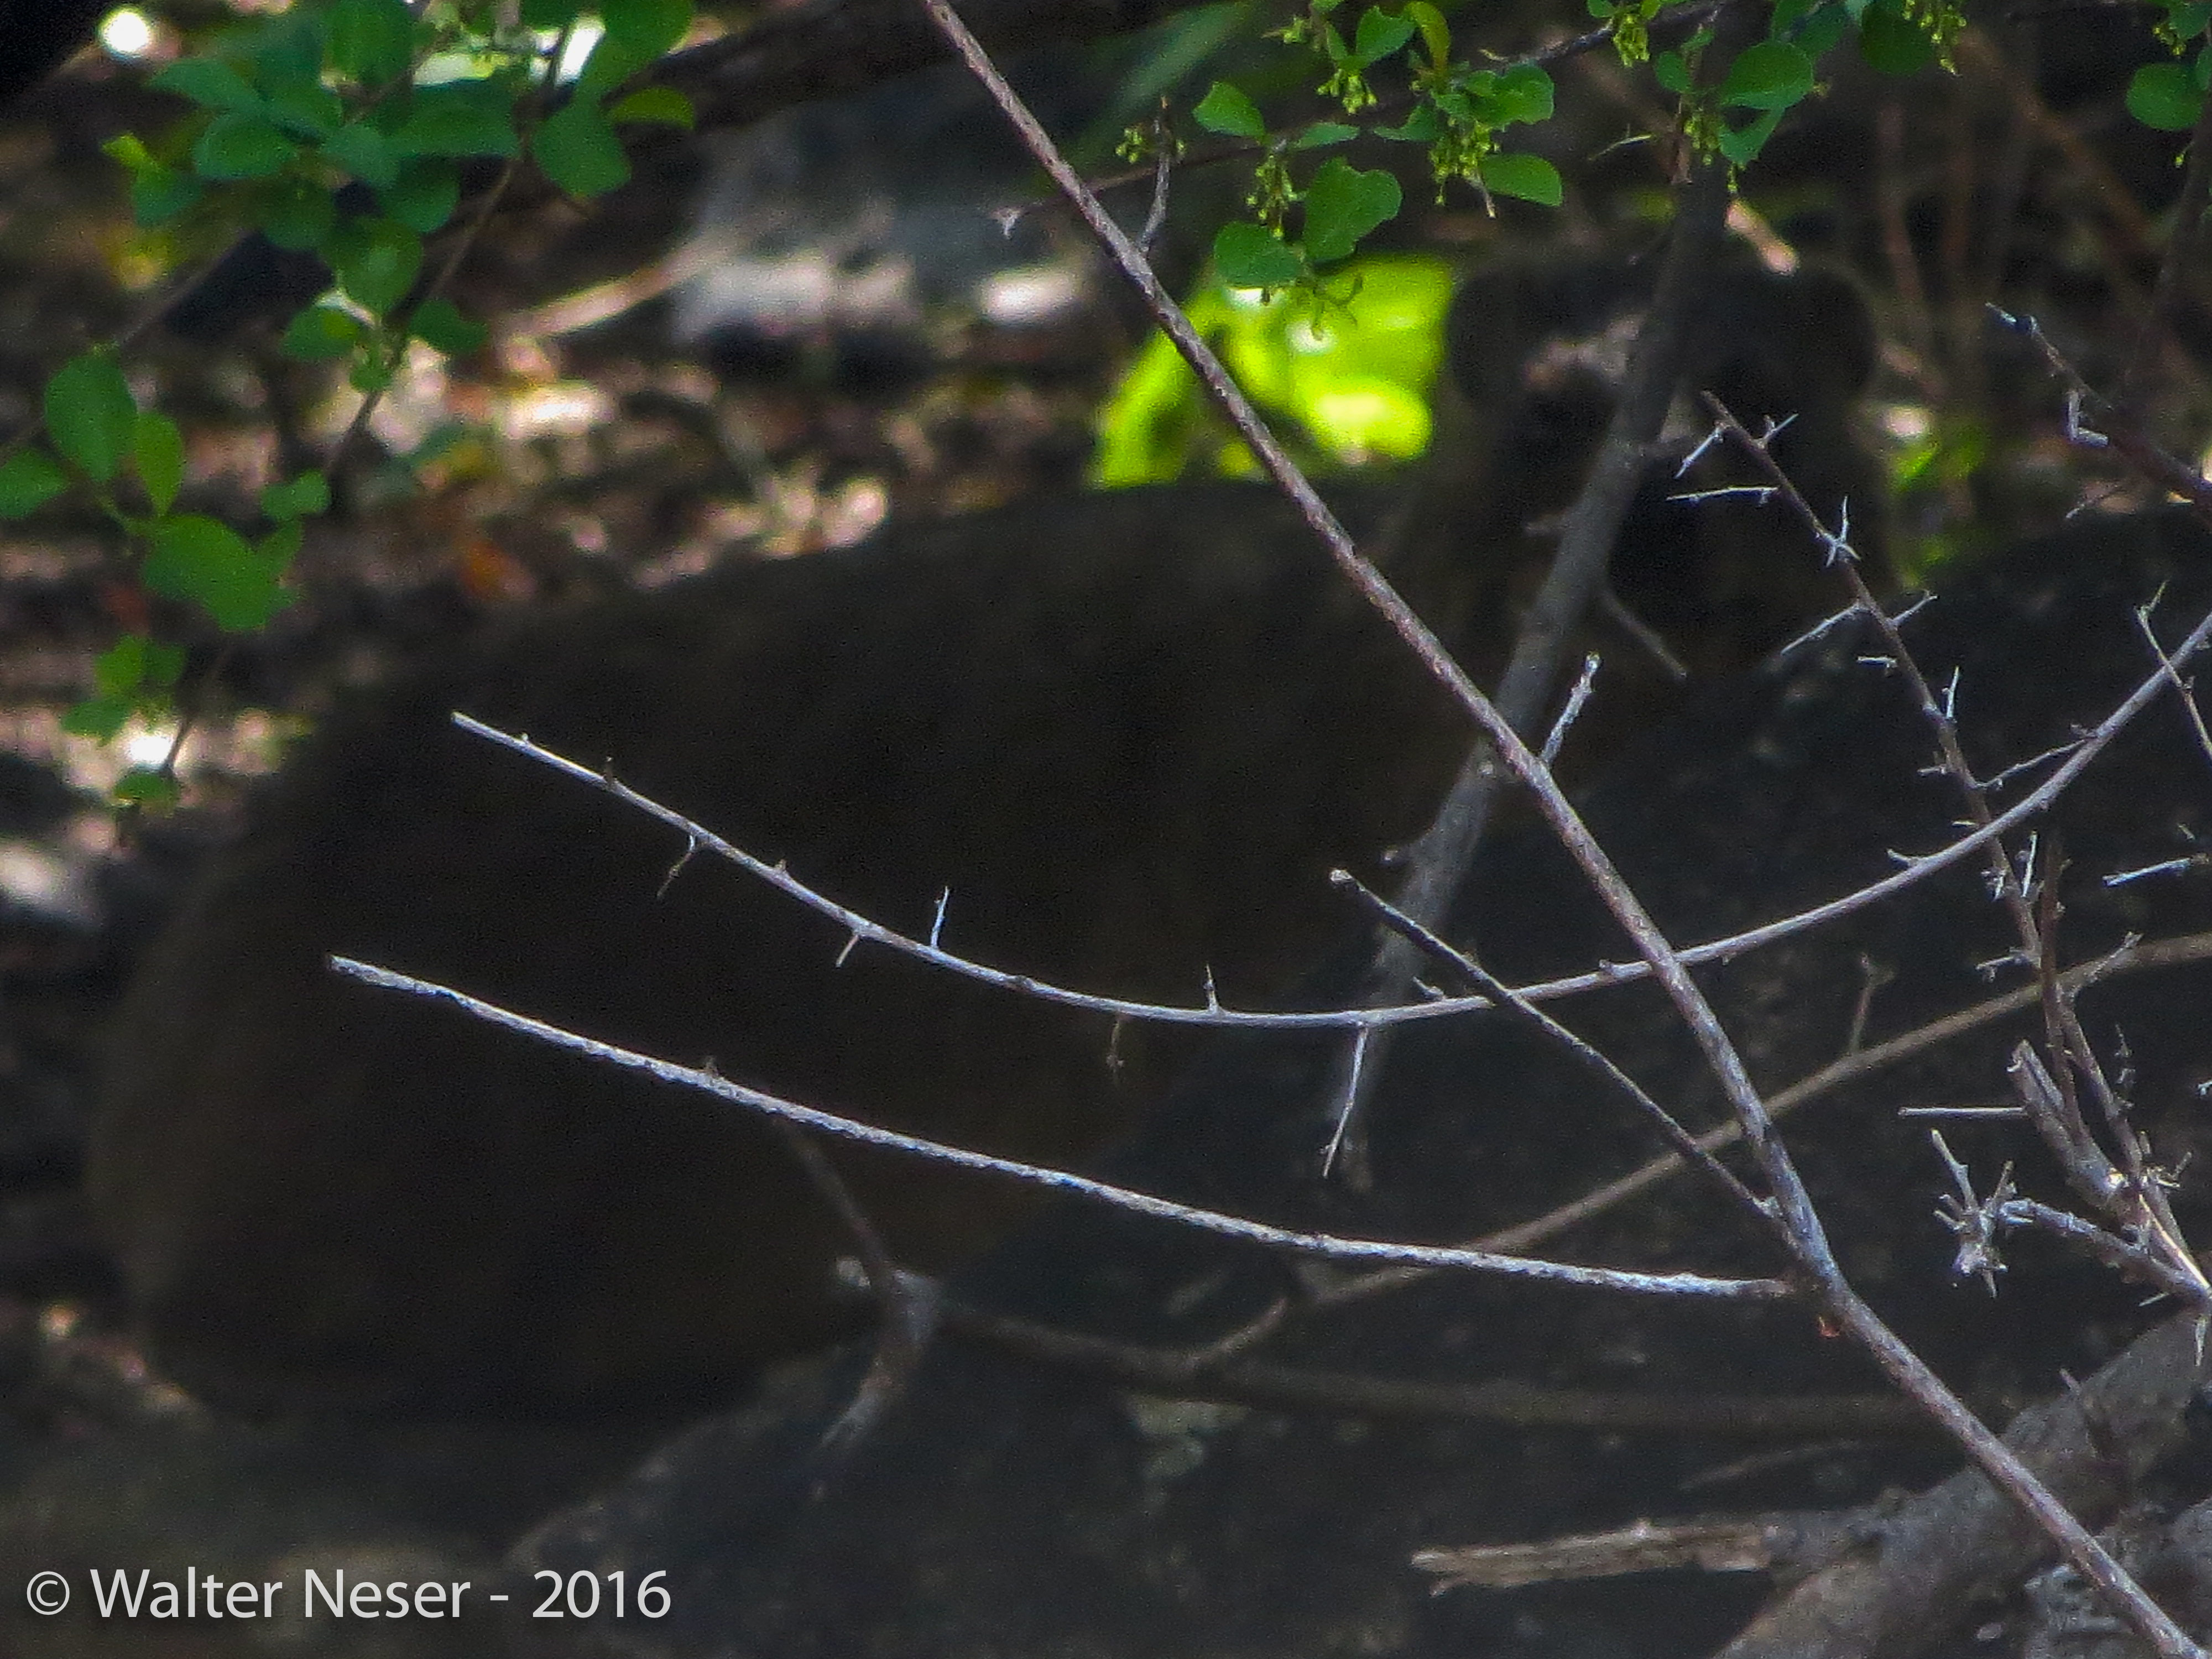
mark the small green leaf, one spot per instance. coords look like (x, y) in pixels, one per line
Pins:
(1525, 177)
(1741, 145)
(1226, 109)
(321, 333)
(281, 546)
(1893, 43)
(464, 118)
(371, 41)
(610, 65)
(91, 414)
(376, 262)
(158, 449)
(242, 147)
(1769, 75)
(97, 717)
(129, 149)
(1823, 28)
(296, 214)
(160, 194)
(1436, 33)
(1669, 70)
(2188, 21)
(579, 150)
(1323, 134)
(29, 478)
(654, 105)
(439, 322)
(1252, 256)
(2165, 96)
(1380, 35)
(209, 564)
(1524, 95)
(371, 372)
(121, 669)
(306, 109)
(149, 787)
(1423, 126)
(364, 152)
(210, 83)
(424, 194)
(646, 28)
(1343, 204)
(304, 496)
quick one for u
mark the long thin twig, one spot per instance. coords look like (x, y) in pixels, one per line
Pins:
(1326, 1245)
(1439, 862)
(1916, 868)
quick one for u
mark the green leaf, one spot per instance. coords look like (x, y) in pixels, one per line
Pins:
(130, 150)
(644, 29)
(424, 194)
(364, 152)
(2188, 21)
(2165, 96)
(303, 497)
(1892, 43)
(158, 450)
(321, 333)
(1822, 30)
(371, 41)
(1524, 94)
(1672, 72)
(148, 787)
(281, 546)
(1252, 256)
(296, 214)
(210, 83)
(610, 65)
(439, 322)
(1436, 33)
(160, 194)
(376, 262)
(371, 372)
(656, 107)
(1768, 75)
(242, 147)
(1323, 134)
(98, 718)
(91, 414)
(1423, 126)
(1226, 109)
(121, 669)
(1524, 177)
(306, 109)
(550, 13)
(197, 559)
(1741, 145)
(464, 118)
(1380, 35)
(579, 150)
(29, 478)
(1343, 204)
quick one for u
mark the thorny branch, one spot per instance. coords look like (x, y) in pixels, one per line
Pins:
(1326, 1245)
(1788, 1204)
(2134, 1193)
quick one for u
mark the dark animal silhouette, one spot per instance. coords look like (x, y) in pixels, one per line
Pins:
(1130, 734)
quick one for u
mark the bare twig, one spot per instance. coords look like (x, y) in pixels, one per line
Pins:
(1177, 1373)
(1440, 859)
(1797, 1539)
(1211, 1012)
(1326, 1245)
